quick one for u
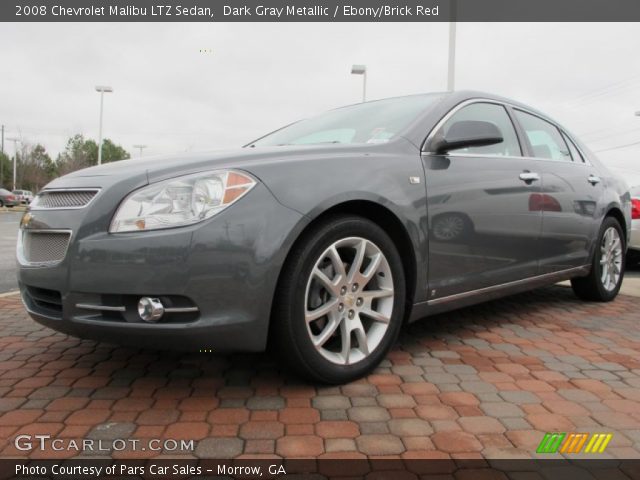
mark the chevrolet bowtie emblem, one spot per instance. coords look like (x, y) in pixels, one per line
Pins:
(26, 220)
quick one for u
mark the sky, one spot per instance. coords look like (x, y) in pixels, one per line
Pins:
(206, 86)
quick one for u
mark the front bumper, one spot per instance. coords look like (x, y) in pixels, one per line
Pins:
(227, 267)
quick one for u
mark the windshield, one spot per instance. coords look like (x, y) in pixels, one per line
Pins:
(372, 122)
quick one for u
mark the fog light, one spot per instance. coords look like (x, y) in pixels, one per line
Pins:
(150, 309)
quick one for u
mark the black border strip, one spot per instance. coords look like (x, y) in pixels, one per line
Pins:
(517, 469)
(320, 10)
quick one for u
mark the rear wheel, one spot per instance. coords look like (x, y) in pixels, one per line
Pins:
(607, 269)
(340, 302)
(1, 203)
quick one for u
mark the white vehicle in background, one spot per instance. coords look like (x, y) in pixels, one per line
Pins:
(24, 196)
(632, 178)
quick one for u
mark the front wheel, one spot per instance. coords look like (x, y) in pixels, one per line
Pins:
(340, 302)
(607, 269)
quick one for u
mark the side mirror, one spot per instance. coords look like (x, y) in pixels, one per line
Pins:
(466, 133)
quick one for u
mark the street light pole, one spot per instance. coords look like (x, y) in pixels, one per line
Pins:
(361, 70)
(451, 71)
(102, 89)
(15, 157)
(451, 76)
(141, 147)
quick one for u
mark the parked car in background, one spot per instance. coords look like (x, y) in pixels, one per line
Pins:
(632, 178)
(633, 256)
(8, 199)
(24, 196)
(326, 236)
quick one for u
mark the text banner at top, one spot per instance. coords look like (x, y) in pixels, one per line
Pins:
(319, 10)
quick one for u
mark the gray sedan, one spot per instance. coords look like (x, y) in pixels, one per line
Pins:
(8, 199)
(324, 237)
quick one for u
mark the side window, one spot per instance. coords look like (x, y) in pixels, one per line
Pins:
(575, 153)
(488, 112)
(544, 137)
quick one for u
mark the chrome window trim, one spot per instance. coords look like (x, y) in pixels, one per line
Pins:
(471, 101)
(484, 155)
(19, 246)
(81, 189)
(585, 159)
(562, 132)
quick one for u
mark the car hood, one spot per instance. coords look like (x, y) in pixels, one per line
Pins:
(153, 169)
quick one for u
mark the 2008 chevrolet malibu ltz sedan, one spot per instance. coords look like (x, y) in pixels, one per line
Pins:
(325, 236)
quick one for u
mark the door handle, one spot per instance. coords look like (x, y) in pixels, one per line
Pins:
(529, 177)
(593, 180)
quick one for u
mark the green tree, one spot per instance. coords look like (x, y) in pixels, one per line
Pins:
(112, 152)
(82, 153)
(34, 167)
(6, 178)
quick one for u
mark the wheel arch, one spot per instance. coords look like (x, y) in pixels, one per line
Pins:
(385, 219)
(616, 213)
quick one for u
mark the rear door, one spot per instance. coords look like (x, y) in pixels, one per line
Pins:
(571, 193)
(482, 231)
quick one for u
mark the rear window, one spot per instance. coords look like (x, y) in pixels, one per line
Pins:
(545, 139)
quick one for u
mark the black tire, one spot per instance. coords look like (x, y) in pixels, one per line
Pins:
(591, 287)
(290, 334)
(1, 204)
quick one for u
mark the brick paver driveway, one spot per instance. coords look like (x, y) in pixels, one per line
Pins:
(483, 381)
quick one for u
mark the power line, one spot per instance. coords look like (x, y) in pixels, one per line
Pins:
(596, 92)
(618, 147)
(624, 132)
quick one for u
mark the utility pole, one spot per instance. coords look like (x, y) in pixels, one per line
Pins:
(451, 72)
(140, 147)
(15, 158)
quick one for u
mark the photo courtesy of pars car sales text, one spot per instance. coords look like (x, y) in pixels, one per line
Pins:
(150, 469)
(332, 239)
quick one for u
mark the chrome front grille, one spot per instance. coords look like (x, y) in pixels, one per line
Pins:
(43, 247)
(60, 199)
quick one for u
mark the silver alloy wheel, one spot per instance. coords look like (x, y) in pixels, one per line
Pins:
(349, 300)
(610, 259)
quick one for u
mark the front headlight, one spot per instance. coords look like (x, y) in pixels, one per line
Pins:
(180, 201)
